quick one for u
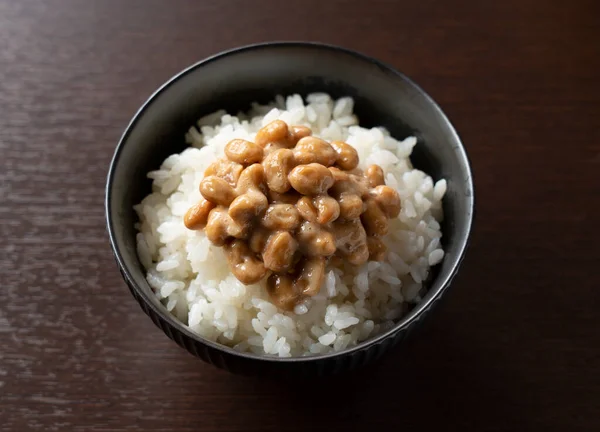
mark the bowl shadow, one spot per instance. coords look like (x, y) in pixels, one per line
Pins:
(407, 388)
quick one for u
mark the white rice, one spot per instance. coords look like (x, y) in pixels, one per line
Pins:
(191, 276)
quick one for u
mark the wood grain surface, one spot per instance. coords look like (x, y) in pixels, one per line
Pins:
(516, 346)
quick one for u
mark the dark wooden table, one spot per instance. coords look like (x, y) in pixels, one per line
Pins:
(515, 347)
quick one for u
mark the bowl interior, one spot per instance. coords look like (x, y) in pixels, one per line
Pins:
(233, 80)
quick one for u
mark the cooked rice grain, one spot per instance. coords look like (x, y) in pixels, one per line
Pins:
(191, 277)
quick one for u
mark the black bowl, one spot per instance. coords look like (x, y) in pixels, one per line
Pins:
(232, 80)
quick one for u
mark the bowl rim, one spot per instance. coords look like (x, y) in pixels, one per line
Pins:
(412, 317)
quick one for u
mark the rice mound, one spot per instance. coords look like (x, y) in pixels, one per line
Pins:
(191, 277)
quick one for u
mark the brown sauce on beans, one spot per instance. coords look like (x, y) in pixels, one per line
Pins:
(284, 205)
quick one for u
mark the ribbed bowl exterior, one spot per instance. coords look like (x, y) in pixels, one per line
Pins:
(317, 367)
